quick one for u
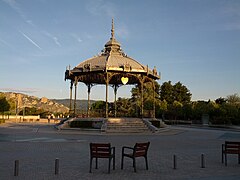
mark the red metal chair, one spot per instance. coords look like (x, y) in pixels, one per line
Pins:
(102, 150)
(230, 147)
(139, 150)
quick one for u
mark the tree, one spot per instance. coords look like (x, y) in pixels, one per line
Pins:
(166, 92)
(232, 109)
(124, 107)
(181, 93)
(162, 107)
(98, 108)
(4, 105)
(178, 98)
(220, 100)
(177, 92)
(33, 111)
(99, 105)
(199, 108)
(234, 100)
(176, 109)
(148, 96)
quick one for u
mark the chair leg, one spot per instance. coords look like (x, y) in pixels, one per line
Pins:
(146, 160)
(222, 157)
(90, 169)
(122, 162)
(238, 158)
(114, 162)
(134, 165)
(109, 165)
(225, 159)
(96, 163)
(113, 158)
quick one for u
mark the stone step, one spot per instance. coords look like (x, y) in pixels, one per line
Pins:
(128, 127)
(126, 124)
(131, 125)
(127, 131)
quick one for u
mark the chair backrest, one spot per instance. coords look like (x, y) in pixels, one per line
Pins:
(231, 145)
(101, 150)
(141, 149)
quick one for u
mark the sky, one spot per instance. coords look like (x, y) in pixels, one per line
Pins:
(196, 42)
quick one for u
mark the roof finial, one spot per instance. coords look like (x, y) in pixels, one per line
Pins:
(112, 30)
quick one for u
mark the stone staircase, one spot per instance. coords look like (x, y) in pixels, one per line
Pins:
(126, 125)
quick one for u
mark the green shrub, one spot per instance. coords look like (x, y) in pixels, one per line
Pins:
(81, 124)
(2, 121)
(156, 123)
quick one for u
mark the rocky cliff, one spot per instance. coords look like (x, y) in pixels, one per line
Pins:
(20, 100)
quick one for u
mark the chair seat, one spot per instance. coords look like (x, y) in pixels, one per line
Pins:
(128, 155)
(232, 151)
(101, 155)
(136, 155)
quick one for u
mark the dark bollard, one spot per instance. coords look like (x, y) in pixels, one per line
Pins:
(174, 161)
(202, 161)
(56, 166)
(16, 167)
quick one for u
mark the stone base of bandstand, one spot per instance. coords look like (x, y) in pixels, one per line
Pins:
(117, 125)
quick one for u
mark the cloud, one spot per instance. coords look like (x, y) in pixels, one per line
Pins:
(5, 43)
(15, 6)
(232, 9)
(17, 90)
(54, 38)
(122, 31)
(232, 12)
(100, 7)
(232, 26)
(76, 37)
(56, 41)
(30, 40)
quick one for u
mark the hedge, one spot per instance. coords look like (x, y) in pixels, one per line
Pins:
(81, 124)
(2, 121)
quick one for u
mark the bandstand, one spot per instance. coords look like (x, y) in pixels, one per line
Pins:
(111, 68)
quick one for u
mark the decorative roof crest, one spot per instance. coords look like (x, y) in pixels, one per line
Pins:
(112, 30)
(113, 46)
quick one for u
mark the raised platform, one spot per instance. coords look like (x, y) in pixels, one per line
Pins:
(112, 125)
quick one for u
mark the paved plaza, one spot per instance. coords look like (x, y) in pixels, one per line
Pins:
(36, 146)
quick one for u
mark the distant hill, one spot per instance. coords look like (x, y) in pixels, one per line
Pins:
(51, 105)
(80, 104)
(20, 100)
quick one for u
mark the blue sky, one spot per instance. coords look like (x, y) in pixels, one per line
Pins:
(196, 42)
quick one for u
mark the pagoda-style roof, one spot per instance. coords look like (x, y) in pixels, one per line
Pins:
(111, 59)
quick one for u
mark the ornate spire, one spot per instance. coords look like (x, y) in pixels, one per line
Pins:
(112, 46)
(112, 30)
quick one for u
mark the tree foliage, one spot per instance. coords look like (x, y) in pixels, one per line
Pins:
(4, 105)
(99, 105)
(166, 92)
(181, 93)
(177, 92)
(32, 111)
(233, 100)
